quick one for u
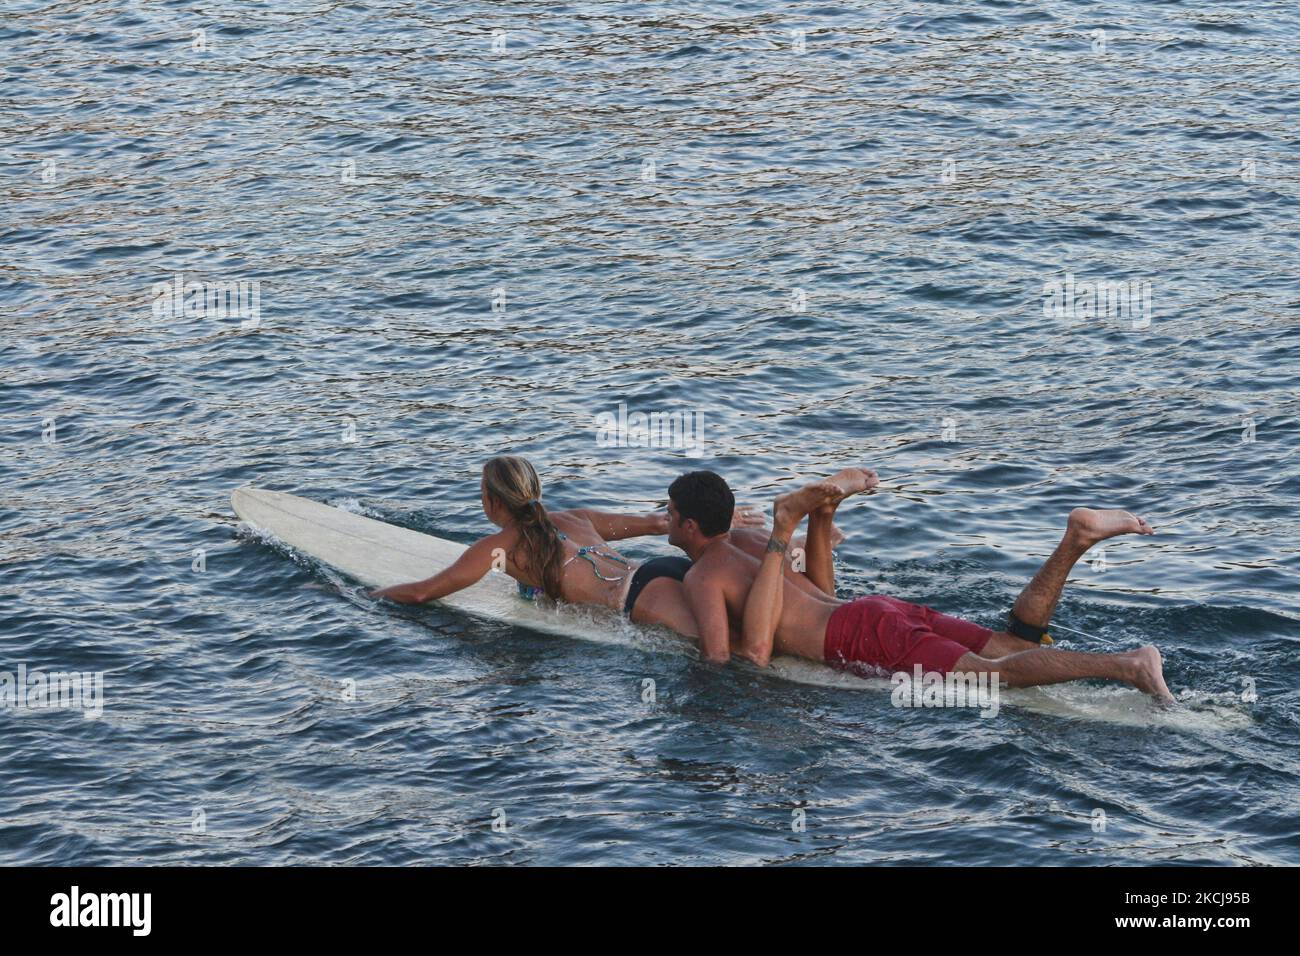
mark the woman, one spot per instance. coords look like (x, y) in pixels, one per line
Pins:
(563, 554)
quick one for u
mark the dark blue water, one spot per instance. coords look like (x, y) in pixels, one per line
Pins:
(649, 185)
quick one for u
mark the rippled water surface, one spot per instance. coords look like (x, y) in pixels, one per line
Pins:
(830, 245)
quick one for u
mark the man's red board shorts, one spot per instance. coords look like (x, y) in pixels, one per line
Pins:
(878, 633)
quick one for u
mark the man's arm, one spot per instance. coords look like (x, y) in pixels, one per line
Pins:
(464, 571)
(709, 605)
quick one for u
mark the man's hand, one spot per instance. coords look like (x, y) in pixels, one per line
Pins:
(747, 516)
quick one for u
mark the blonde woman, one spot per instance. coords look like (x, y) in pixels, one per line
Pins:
(563, 554)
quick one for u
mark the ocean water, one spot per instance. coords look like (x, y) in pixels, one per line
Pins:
(825, 233)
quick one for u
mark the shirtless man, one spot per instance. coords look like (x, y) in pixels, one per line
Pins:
(797, 613)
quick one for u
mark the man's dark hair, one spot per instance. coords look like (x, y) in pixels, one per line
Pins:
(704, 496)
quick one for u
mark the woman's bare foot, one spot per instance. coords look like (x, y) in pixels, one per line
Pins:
(1088, 526)
(790, 508)
(1148, 674)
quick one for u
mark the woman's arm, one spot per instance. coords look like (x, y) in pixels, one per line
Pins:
(615, 527)
(464, 571)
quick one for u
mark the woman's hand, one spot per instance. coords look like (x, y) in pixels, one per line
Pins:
(463, 572)
(401, 593)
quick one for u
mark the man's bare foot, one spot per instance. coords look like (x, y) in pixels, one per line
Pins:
(1089, 526)
(790, 508)
(1148, 674)
(853, 481)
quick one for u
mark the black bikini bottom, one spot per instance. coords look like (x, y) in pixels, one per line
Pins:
(667, 567)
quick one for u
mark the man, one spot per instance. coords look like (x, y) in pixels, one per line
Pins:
(797, 613)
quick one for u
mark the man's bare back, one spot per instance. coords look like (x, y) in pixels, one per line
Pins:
(722, 575)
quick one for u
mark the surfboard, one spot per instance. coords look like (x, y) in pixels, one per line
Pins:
(378, 554)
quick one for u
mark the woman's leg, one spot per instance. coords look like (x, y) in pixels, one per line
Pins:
(663, 602)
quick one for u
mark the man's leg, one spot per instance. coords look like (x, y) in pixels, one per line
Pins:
(1023, 664)
(820, 564)
(1001, 644)
(764, 603)
(1141, 668)
(1033, 609)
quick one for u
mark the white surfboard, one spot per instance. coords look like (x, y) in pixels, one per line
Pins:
(379, 554)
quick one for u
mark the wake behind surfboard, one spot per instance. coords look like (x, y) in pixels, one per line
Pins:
(378, 554)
